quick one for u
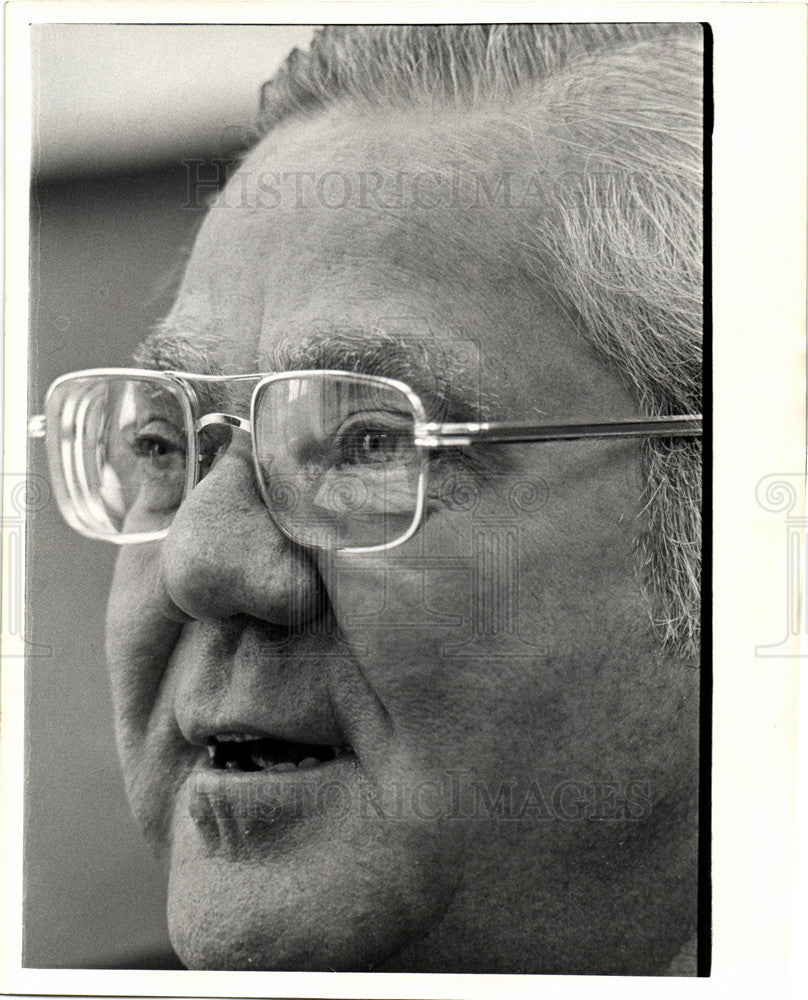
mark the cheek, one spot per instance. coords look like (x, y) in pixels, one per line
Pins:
(497, 623)
(141, 637)
(142, 630)
(134, 619)
(459, 679)
(579, 546)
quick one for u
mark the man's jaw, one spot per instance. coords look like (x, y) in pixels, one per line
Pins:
(284, 857)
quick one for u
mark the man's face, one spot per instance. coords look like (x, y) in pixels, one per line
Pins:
(501, 714)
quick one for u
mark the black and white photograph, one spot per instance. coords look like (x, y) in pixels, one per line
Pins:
(368, 504)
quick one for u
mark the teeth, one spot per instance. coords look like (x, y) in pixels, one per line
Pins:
(241, 752)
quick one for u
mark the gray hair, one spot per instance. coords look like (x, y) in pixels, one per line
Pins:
(620, 246)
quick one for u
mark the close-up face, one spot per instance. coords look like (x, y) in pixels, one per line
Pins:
(443, 755)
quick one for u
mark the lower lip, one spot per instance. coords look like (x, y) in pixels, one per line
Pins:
(238, 810)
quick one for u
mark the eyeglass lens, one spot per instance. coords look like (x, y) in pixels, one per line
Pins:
(339, 466)
(336, 458)
(121, 450)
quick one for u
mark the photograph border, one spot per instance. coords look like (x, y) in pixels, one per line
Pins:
(742, 682)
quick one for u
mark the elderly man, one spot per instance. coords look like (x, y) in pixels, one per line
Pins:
(403, 646)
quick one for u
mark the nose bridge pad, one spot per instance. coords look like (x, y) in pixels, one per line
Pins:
(215, 434)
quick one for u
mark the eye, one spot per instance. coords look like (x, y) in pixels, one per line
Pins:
(374, 438)
(160, 443)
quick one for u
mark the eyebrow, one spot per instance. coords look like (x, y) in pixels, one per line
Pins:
(170, 347)
(451, 388)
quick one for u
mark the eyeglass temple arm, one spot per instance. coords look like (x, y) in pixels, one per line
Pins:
(433, 435)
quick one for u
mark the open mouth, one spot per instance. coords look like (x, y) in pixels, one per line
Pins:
(239, 752)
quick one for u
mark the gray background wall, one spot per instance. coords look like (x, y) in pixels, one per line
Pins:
(92, 892)
(118, 110)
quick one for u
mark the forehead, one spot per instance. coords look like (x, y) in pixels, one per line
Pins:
(394, 229)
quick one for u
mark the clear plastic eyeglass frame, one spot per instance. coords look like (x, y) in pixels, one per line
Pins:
(71, 493)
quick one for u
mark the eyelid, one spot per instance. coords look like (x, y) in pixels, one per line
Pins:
(162, 424)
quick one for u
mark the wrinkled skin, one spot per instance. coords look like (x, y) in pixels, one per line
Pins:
(227, 626)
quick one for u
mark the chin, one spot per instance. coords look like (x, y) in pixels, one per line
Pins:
(285, 891)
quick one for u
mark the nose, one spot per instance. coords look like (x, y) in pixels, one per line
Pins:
(224, 555)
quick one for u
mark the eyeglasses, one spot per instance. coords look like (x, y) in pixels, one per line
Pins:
(341, 459)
